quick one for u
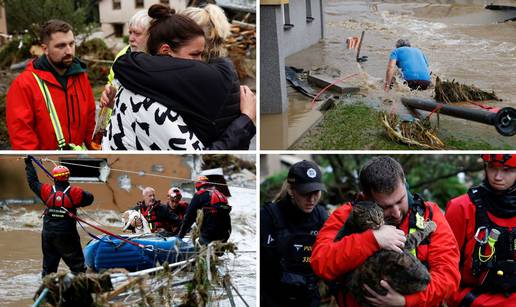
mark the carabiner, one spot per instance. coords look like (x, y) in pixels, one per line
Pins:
(479, 229)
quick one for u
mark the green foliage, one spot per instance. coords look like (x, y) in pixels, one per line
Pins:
(4, 135)
(29, 15)
(95, 47)
(433, 176)
(126, 39)
(16, 50)
(271, 186)
(353, 125)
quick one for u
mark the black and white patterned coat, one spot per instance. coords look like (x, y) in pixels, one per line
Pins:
(141, 123)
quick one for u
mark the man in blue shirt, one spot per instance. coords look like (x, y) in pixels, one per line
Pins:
(413, 64)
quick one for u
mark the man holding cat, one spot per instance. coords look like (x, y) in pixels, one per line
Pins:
(382, 180)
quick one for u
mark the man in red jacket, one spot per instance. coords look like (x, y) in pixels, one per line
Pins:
(50, 105)
(484, 223)
(382, 180)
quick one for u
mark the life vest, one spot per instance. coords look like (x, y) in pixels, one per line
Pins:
(218, 203)
(150, 215)
(180, 209)
(417, 218)
(295, 248)
(56, 200)
(504, 247)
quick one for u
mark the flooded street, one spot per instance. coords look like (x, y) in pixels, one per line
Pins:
(20, 248)
(462, 41)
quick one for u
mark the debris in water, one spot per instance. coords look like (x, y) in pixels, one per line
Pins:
(418, 132)
(451, 91)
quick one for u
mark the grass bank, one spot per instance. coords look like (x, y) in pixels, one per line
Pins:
(357, 127)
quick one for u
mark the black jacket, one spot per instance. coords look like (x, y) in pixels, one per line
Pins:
(206, 95)
(216, 223)
(285, 250)
(161, 216)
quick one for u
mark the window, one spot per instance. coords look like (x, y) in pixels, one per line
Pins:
(166, 2)
(87, 169)
(309, 17)
(117, 4)
(118, 29)
(286, 17)
(139, 4)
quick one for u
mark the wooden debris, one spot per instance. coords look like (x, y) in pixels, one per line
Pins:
(451, 91)
(417, 132)
(241, 46)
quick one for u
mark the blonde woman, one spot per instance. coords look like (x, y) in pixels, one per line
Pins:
(216, 27)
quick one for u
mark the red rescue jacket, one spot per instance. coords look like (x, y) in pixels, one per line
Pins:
(28, 120)
(330, 259)
(460, 213)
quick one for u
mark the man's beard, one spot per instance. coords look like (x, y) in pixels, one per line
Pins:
(393, 221)
(62, 64)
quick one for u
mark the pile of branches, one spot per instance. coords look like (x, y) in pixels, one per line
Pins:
(192, 284)
(451, 91)
(241, 46)
(418, 132)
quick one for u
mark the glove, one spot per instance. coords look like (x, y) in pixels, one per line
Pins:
(28, 159)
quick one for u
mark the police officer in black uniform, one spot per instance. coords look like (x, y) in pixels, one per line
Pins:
(288, 227)
(59, 238)
(216, 222)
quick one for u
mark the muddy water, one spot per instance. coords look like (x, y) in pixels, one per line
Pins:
(20, 248)
(462, 41)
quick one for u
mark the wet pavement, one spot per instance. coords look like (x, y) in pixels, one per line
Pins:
(462, 41)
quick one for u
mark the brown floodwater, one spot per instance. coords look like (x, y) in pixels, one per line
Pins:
(462, 41)
(21, 256)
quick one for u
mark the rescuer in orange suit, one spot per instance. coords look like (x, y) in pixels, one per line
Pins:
(382, 180)
(483, 218)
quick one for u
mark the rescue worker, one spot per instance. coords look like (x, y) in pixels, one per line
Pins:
(484, 223)
(216, 222)
(157, 214)
(177, 207)
(175, 203)
(288, 227)
(59, 238)
(412, 63)
(382, 180)
(50, 105)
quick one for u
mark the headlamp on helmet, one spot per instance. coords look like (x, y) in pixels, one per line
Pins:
(61, 173)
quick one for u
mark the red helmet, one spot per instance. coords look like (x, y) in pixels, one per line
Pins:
(175, 193)
(201, 181)
(500, 159)
(61, 173)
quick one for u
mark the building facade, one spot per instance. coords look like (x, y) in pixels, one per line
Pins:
(291, 26)
(115, 14)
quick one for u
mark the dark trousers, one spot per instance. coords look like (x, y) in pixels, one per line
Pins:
(420, 85)
(65, 245)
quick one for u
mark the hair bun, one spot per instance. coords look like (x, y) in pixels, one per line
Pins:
(160, 11)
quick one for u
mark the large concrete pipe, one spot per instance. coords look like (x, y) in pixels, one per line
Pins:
(504, 119)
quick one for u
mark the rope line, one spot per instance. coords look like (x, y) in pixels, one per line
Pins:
(330, 85)
(140, 173)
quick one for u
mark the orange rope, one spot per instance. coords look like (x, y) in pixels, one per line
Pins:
(439, 106)
(328, 86)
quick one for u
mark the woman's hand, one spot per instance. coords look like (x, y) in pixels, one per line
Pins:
(107, 98)
(248, 102)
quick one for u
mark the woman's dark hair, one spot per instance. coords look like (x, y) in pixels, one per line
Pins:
(167, 27)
